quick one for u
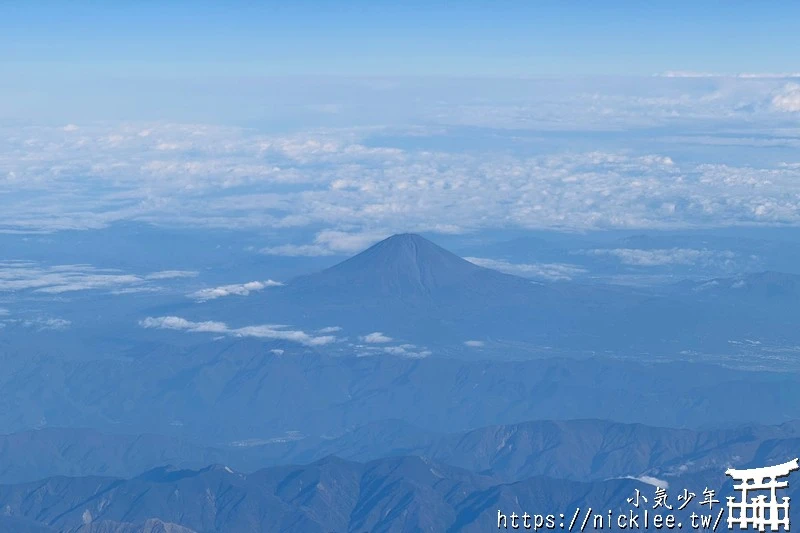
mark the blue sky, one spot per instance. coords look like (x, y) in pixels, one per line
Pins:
(359, 38)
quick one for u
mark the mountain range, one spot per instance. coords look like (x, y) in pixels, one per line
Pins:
(389, 495)
(404, 389)
(577, 450)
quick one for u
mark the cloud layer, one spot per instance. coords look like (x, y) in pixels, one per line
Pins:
(353, 186)
(788, 99)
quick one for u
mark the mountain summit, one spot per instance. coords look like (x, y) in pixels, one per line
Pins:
(402, 265)
(413, 288)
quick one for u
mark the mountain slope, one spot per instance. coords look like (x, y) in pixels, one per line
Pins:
(404, 265)
(236, 390)
(578, 450)
(392, 495)
(419, 293)
(409, 287)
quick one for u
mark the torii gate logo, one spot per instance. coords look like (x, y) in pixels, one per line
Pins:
(760, 512)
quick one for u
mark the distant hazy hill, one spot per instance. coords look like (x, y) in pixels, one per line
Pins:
(578, 450)
(761, 287)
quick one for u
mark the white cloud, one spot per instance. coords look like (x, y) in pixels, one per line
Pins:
(178, 323)
(243, 289)
(137, 290)
(59, 279)
(650, 480)
(40, 323)
(353, 188)
(474, 344)
(409, 351)
(267, 331)
(669, 256)
(172, 274)
(330, 329)
(788, 99)
(329, 243)
(376, 338)
(297, 250)
(546, 271)
(742, 75)
(56, 324)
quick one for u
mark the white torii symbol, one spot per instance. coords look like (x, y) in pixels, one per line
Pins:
(759, 512)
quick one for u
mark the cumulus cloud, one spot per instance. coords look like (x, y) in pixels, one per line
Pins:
(376, 338)
(353, 187)
(788, 99)
(267, 331)
(243, 289)
(330, 329)
(545, 271)
(662, 257)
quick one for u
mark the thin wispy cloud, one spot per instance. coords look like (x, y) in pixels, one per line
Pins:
(329, 243)
(59, 279)
(670, 256)
(38, 323)
(54, 324)
(650, 480)
(407, 351)
(543, 271)
(740, 75)
(266, 331)
(172, 274)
